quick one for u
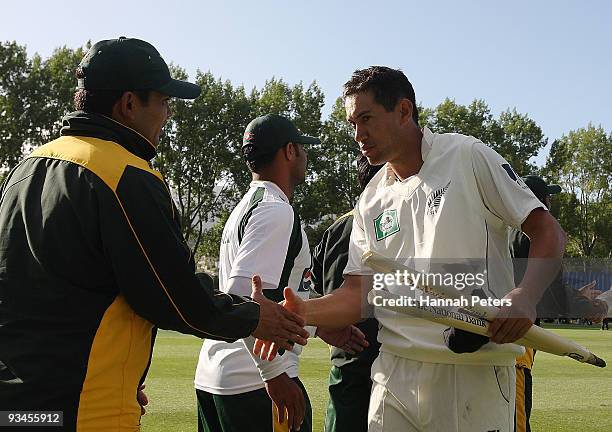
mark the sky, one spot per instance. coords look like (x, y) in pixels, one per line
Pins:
(548, 59)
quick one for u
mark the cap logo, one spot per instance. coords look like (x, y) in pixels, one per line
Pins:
(249, 136)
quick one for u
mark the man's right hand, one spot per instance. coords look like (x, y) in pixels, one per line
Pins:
(276, 324)
(512, 322)
(599, 311)
(267, 349)
(287, 395)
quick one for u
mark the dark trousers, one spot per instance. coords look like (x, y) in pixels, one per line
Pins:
(349, 399)
(243, 412)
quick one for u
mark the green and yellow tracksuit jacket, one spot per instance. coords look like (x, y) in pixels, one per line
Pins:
(92, 261)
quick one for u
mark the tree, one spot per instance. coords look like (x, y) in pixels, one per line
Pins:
(334, 188)
(475, 120)
(426, 116)
(582, 162)
(514, 136)
(198, 152)
(201, 155)
(211, 241)
(15, 127)
(201, 152)
(273, 98)
(34, 96)
(522, 139)
(303, 107)
(54, 80)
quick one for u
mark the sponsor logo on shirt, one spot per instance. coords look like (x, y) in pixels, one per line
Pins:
(386, 224)
(306, 281)
(435, 199)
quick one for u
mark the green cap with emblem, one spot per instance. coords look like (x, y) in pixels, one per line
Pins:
(268, 133)
(130, 64)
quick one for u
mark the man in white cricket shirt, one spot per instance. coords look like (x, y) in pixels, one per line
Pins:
(441, 197)
(263, 236)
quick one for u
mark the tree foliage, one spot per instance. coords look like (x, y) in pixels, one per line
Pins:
(199, 152)
(201, 159)
(15, 103)
(34, 96)
(582, 163)
(513, 135)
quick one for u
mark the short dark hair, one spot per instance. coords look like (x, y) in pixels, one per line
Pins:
(256, 162)
(365, 171)
(387, 85)
(102, 101)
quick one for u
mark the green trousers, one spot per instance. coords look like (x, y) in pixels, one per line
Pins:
(243, 412)
(349, 399)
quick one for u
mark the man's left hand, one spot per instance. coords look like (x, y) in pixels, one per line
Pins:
(512, 322)
(350, 338)
(142, 399)
(267, 349)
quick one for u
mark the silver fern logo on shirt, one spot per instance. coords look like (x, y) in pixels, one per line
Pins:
(386, 224)
(435, 199)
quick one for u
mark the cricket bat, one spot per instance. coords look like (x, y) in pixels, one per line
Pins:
(474, 318)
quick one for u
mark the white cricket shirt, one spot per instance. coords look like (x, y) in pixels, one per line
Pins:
(262, 236)
(456, 209)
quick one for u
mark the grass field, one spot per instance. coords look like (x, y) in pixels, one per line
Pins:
(568, 396)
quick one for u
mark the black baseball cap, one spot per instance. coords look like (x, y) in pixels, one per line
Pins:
(130, 64)
(540, 188)
(268, 133)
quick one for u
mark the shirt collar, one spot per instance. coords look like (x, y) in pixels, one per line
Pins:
(272, 187)
(426, 145)
(81, 123)
(426, 142)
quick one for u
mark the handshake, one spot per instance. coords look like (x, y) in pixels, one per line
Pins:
(281, 325)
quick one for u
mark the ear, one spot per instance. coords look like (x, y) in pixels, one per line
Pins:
(125, 107)
(290, 151)
(406, 109)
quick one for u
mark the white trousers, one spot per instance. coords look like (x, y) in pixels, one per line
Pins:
(409, 396)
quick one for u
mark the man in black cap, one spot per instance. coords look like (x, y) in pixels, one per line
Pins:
(92, 259)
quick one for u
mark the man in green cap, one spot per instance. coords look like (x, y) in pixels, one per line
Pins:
(263, 235)
(92, 259)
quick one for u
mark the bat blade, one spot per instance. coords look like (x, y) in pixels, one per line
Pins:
(478, 320)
